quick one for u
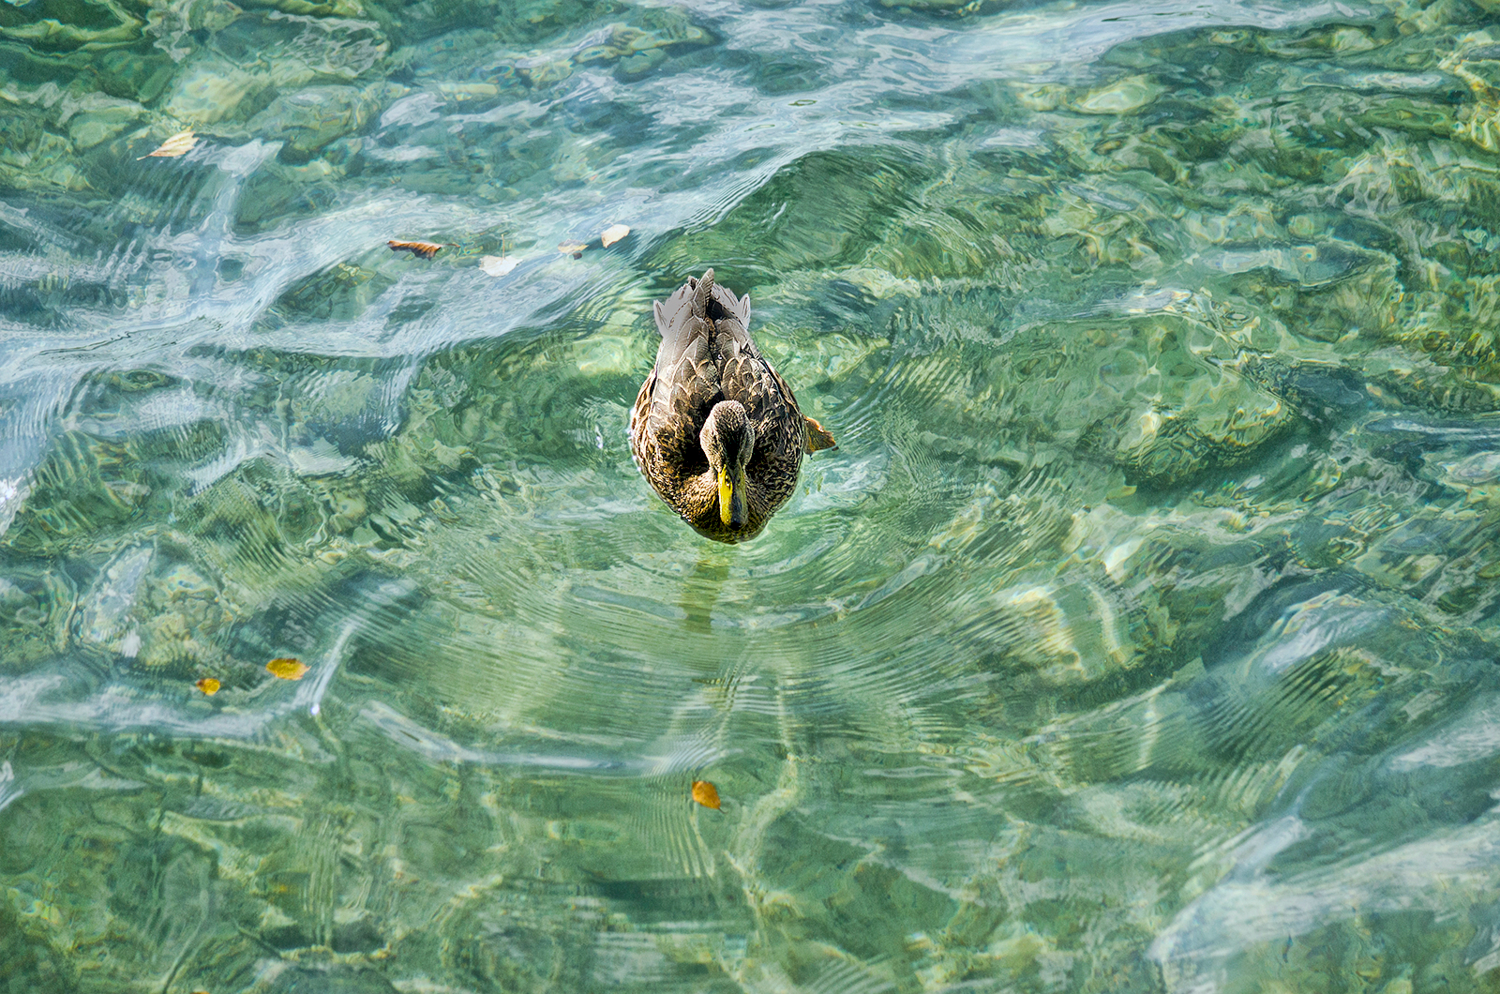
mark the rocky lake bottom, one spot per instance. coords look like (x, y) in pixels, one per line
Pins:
(1142, 633)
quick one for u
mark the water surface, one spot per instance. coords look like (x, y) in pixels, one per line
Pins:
(1140, 635)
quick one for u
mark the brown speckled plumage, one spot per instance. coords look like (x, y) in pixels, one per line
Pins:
(707, 357)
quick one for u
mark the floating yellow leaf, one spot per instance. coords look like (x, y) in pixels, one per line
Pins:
(178, 144)
(706, 794)
(424, 249)
(287, 669)
(575, 249)
(208, 685)
(497, 265)
(613, 234)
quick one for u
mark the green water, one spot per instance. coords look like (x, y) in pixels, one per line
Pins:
(1142, 634)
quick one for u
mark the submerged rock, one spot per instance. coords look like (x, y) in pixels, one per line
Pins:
(211, 90)
(312, 118)
(97, 120)
(1126, 96)
(174, 24)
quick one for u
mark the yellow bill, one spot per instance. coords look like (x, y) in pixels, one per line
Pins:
(732, 510)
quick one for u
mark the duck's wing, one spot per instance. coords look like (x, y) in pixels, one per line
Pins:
(749, 378)
(685, 383)
(746, 376)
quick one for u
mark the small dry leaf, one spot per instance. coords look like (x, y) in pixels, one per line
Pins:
(287, 669)
(706, 794)
(613, 234)
(208, 685)
(497, 265)
(818, 437)
(178, 144)
(575, 249)
(424, 249)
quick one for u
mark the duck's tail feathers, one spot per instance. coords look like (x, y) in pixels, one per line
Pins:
(698, 305)
(707, 293)
(739, 310)
(703, 292)
(682, 314)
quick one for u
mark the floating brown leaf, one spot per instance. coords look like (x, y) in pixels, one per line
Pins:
(208, 685)
(575, 249)
(424, 249)
(613, 234)
(178, 144)
(706, 794)
(287, 669)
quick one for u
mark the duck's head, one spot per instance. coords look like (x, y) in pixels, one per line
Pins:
(728, 441)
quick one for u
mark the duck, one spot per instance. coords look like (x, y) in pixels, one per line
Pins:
(715, 429)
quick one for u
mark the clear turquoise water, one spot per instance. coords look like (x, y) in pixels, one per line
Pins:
(1141, 635)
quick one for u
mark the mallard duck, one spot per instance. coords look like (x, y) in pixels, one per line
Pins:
(715, 429)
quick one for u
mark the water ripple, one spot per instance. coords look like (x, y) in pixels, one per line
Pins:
(1139, 632)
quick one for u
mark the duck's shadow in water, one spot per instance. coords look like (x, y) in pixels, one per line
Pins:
(700, 591)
